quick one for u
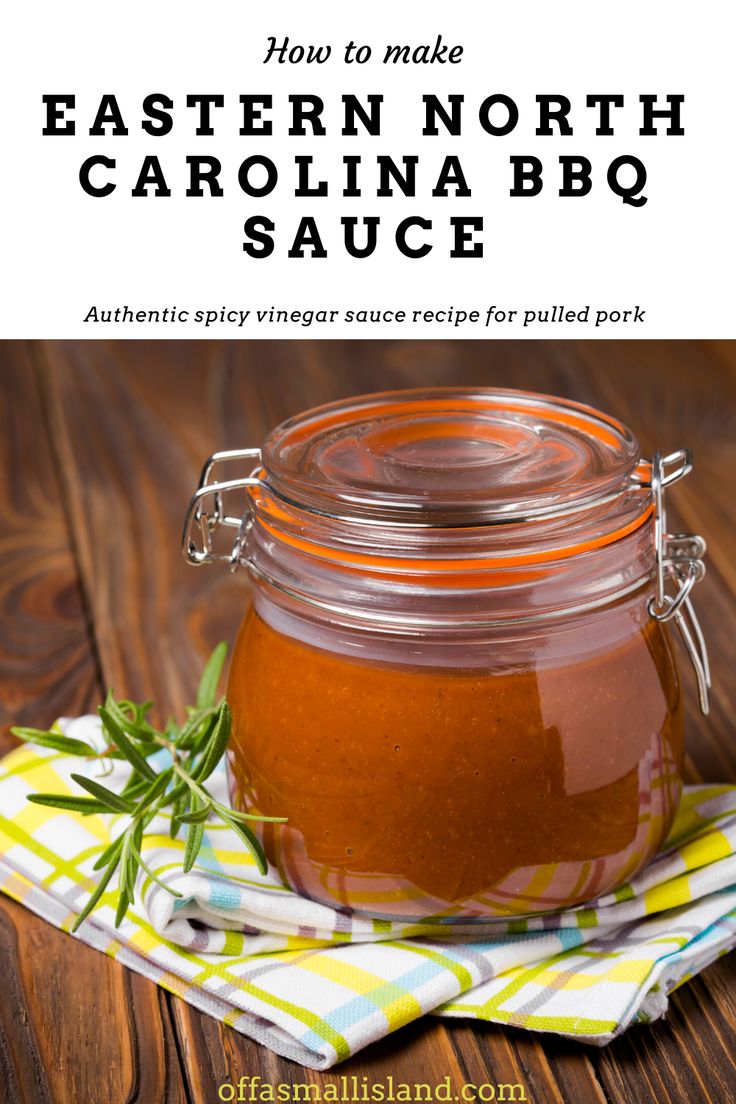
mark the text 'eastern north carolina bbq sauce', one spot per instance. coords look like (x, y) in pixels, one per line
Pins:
(456, 678)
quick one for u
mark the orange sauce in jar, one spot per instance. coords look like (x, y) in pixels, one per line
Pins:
(455, 678)
(417, 791)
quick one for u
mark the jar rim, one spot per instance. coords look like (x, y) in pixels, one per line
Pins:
(430, 553)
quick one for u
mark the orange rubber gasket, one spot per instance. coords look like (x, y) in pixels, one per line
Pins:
(438, 569)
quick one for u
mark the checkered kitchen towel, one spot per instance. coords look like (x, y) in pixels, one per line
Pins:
(317, 984)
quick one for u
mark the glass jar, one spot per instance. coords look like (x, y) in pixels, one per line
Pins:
(455, 676)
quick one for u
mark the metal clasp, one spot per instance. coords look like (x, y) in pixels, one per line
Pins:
(207, 511)
(678, 567)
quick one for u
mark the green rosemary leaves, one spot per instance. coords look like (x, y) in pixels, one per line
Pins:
(194, 748)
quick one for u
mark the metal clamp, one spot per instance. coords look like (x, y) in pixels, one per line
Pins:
(207, 513)
(678, 566)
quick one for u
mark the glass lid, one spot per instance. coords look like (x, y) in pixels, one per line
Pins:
(447, 456)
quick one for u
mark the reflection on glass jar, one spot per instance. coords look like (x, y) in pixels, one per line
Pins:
(450, 678)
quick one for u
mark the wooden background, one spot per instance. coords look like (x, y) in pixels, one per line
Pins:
(101, 446)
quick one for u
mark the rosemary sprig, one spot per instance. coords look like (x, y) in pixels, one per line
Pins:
(195, 747)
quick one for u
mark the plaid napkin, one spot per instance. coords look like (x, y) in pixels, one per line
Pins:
(317, 984)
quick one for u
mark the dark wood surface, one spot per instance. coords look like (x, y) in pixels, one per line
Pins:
(101, 445)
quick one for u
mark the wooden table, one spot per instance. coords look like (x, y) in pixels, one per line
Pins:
(101, 445)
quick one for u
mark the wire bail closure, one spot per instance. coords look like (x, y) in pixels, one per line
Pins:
(678, 562)
(207, 513)
(678, 556)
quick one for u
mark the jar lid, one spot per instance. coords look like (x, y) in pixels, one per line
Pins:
(449, 457)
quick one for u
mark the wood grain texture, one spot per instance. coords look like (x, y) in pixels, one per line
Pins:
(126, 428)
(55, 1043)
(45, 655)
(72, 1022)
